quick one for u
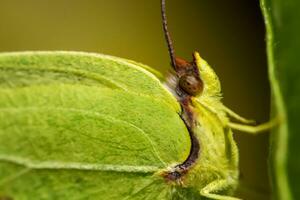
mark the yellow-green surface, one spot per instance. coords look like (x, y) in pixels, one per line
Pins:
(76, 126)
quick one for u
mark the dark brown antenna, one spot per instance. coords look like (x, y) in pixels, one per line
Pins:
(167, 34)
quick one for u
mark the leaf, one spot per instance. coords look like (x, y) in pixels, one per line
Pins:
(283, 47)
(85, 126)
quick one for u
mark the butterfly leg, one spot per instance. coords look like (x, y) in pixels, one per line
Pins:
(215, 186)
(254, 129)
(230, 113)
(237, 116)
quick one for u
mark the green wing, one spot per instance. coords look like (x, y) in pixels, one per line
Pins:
(85, 126)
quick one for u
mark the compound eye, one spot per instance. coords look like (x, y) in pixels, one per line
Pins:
(191, 85)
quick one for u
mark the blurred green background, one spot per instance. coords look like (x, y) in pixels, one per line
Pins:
(228, 34)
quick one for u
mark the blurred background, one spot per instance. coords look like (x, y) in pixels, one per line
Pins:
(228, 34)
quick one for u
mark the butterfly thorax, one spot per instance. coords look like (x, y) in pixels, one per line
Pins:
(213, 152)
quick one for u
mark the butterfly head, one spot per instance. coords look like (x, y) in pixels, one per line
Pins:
(189, 79)
(197, 77)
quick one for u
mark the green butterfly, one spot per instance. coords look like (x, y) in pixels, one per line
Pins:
(89, 126)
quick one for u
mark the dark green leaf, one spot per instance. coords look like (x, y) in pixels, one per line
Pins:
(283, 30)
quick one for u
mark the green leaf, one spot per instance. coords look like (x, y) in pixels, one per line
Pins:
(283, 30)
(85, 126)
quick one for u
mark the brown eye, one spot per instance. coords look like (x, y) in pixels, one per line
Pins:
(191, 84)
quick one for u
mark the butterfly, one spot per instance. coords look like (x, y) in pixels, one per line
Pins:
(79, 125)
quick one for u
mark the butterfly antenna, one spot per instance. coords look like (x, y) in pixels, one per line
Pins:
(167, 34)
